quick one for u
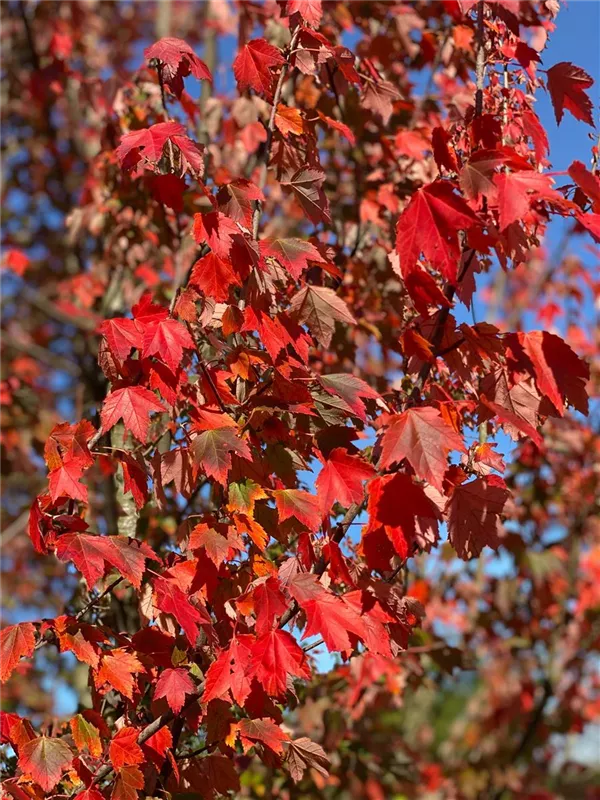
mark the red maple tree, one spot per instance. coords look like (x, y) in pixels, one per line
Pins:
(246, 282)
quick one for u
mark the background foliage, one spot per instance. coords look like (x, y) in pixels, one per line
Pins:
(299, 431)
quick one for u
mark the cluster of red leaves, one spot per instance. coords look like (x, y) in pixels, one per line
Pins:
(212, 648)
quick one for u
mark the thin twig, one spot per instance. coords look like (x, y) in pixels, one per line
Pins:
(262, 181)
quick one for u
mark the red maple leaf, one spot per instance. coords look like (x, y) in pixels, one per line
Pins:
(567, 84)
(560, 374)
(326, 614)
(231, 671)
(276, 656)
(172, 600)
(177, 61)
(430, 225)
(253, 64)
(122, 335)
(145, 147)
(306, 185)
(422, 436)
(15, 641)
(132, 404)
(167, 340)
(174, 685)
(214, 276)
(342, 479)
(311, 11)
(292, 254)
(117, 671)
(474, 515)
(64, 481)
(91, 554)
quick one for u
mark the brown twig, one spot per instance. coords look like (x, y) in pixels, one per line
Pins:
(262, 181)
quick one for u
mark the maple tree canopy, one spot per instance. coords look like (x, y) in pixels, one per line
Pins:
(300, 423)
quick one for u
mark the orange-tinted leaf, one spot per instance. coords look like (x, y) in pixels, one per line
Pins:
(15, 641)
(124, 749)
(264, 731)
(86, 736)
(298, 504)
(45, 760)
(117, 671)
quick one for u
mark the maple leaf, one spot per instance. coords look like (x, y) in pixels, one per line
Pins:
(155, 748)
(399, 520)
(430, 225)
(172, 600)
(168, 190)
(117, 670)
(231, 671)
(167, 340)
(306, 185)
(422, 436)
(474, 515)
(132, 404)
(45, 759)
(289, 120)
(177, 61)
(298, 504)
(146, 146)
(567, 84)
(174, 684)
(129, 779)
(587, 181)
(64, 481)
(269, 603)
(516, 190)
(237, 200)
(292, 254)
(79, 638)
(379, 97)
(319, 308)
(242, 497)
(214, 276)
(311, 11)
(560, 374)
(212, 451)
(91, 553)
(86, 736)
(262, 730)
(124, 750)
(15, 641)
(122, 335)
(275, 656)
(217, 230)
(218, 547)
(342, 479)
(303, 754)
(253, 64)
(326, 614)
(350, 390)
